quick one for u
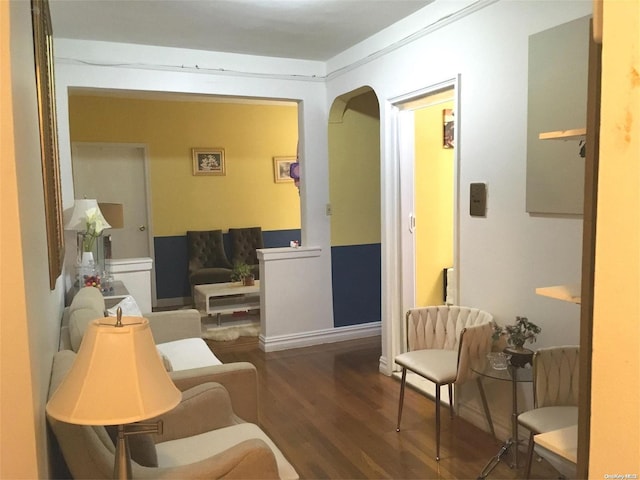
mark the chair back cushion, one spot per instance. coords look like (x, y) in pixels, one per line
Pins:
(475, 343)
(555, 376)
(244, 243)
(206, 250)
(440, 326)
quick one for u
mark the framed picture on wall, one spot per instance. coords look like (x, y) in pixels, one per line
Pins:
(282, 168)
(448, 124)
(45, 81)
(208, 161)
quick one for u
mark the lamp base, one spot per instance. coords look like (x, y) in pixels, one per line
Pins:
(122, 466)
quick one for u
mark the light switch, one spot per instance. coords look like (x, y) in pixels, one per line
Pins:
(478, 200)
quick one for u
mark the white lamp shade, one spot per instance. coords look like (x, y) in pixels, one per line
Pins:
(78, 220)
(116, 378)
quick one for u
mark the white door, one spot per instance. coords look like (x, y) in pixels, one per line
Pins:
(115, 173)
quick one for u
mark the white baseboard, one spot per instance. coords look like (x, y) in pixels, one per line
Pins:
(317, 337)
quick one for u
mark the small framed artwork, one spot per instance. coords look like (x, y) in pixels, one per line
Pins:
(448, 124)
(282, 169)
(208, 161)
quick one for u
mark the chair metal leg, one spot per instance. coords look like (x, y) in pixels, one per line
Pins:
(437, 422)
(527, 470)
(451, 400)
(402, 383)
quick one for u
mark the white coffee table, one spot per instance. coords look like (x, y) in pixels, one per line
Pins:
(220, 298)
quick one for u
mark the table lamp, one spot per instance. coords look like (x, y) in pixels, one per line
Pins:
(114, 214)
(82, 208)
(78, 218)
(117, 378)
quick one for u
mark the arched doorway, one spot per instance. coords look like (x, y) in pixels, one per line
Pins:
(354, 208)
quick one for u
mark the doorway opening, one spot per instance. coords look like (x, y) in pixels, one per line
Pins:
(258, 138)
(354, 208)
(428, 208)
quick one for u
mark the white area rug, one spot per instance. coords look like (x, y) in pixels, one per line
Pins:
(231, 332)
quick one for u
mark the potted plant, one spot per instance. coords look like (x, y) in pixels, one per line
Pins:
(242, 273)
(517, 335)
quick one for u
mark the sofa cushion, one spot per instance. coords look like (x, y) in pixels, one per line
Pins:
(200, 447)
(166, 362)
(205, 276)
(142, 446)
(188, 353)
(87, 305)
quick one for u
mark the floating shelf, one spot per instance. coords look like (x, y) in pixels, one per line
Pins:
(575, 134)
(567, 293)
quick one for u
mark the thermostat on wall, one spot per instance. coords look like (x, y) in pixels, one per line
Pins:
(478, 200)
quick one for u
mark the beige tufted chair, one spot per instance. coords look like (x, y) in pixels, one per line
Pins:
(555, 393)
(443, 343)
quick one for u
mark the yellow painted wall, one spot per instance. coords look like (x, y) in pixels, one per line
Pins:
(354, 174)
(615, 392)
(251, 136)
(18, 452)
(434, 192)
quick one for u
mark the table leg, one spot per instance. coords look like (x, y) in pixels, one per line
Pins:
(491, 464)
(514, 414)
(513, 441)
(485, 406)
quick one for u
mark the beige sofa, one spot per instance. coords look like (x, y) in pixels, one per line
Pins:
(178, 335)
(213, 433)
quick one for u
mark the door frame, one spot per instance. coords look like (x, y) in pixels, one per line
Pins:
(147, 189)
(399, 257)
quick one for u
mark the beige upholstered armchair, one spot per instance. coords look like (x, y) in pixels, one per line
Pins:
(555, 393)
(202, 438)
(443, 343)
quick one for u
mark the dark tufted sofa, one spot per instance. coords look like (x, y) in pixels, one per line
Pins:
(208, 261)
(244, 242)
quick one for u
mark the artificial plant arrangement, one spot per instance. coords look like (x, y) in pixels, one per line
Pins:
(94, 228)
(242, 273)
(517, 335)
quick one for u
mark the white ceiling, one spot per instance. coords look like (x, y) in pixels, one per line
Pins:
(301, 29)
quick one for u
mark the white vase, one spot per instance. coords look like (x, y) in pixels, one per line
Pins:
(87, 259)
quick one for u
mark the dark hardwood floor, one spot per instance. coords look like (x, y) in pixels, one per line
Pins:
(334, 416)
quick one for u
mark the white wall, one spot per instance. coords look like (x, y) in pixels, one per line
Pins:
(505, 256)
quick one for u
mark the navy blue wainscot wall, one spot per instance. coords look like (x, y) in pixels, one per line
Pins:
(356, 276)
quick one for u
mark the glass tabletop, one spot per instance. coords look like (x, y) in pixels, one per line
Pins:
(524, 374)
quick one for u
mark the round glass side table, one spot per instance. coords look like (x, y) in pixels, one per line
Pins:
(514, 375)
